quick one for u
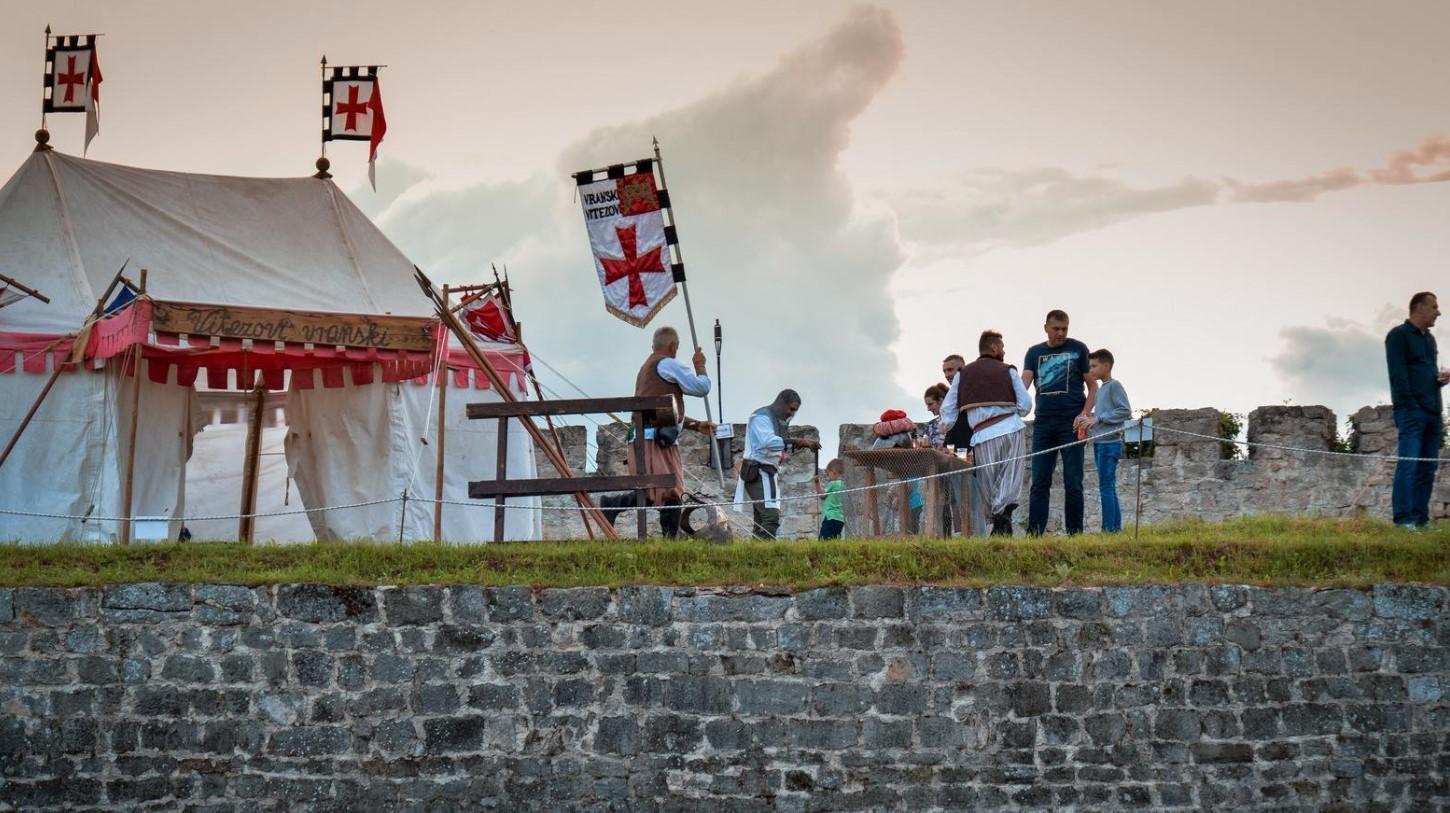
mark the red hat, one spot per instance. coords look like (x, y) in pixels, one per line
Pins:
(892, 415)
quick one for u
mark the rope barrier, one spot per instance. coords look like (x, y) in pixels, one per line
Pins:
(732, 503)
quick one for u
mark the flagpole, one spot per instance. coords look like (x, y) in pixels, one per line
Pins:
(321, 135)
(28, 291)
(46, 82)
(690, 315)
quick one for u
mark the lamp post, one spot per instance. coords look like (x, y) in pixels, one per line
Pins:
(724, 433)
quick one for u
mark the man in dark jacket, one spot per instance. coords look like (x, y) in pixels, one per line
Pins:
(1415, 382)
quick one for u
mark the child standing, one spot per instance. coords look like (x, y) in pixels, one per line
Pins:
(833, 518)
(1111, 411)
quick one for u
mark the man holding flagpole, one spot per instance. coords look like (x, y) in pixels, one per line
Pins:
(663, 374)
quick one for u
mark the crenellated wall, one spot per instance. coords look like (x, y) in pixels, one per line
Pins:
(1185, 478)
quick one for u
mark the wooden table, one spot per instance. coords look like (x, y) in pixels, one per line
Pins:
(907, 463)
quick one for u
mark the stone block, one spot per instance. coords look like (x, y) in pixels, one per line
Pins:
(574, 604)
(826, 603)
(877, 601)
(413, 605)
(319, 603)
(1408, 601)
(1172, 448)
(646, 606)
(1301, 427)
(1018, 603)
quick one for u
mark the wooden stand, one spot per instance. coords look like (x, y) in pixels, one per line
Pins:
(553, 452)
(909, 463)
(501, 487)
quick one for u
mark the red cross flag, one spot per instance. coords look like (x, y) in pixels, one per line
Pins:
(633, 249)
(353, 111)
(73, 80)
(489, 318)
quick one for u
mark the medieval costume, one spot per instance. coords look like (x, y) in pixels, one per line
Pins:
(662, 374)
(989, 397)
(767, 439)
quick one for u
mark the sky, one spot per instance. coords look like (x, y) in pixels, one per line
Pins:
(1236, 200)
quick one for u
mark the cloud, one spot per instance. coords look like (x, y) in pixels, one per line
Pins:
(1341, 364)
(987, 209)
(774, 241)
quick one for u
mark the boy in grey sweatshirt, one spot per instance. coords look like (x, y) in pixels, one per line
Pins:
(1111, 411)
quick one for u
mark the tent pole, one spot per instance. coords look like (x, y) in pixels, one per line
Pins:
(471, 347)
(442, 436)
(690, 317)
(246, 526)
(60, 366)
(130, 483)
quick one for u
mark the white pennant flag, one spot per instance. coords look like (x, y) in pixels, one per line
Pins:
(93, 101)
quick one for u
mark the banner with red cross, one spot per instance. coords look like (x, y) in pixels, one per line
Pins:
(352, 109)
(73, 79)
(636, 253)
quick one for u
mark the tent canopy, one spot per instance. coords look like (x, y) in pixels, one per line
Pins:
(69, 223)
(227, 255)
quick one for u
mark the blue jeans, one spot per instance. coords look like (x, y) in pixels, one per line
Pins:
(1047, 433)
(1419, 437)
(1106, 455)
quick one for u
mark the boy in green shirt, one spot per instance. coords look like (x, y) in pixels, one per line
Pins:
(833, 519)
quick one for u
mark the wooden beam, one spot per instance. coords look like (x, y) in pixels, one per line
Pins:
(548, 486)
(441, 437)
(381, 331)
(642, 516)
(568, 406)
(501, 471)
(128, 482)
(251, 465)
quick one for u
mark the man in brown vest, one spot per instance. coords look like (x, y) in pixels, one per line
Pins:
(663, 374)
(990, 396)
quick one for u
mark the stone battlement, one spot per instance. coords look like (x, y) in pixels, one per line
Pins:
(1185, 477)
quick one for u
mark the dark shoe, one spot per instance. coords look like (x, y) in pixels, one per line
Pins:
(612, 505)
(670, 520)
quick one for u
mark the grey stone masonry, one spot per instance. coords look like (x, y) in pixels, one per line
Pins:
(227, 698)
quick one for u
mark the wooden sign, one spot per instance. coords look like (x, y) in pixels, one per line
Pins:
(415, 333)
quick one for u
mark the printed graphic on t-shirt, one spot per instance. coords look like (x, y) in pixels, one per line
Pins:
(1052, 373)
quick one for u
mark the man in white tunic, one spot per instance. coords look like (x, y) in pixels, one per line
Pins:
(767, 441)
(989, 395)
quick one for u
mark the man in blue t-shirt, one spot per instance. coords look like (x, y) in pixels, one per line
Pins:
(1058, 368)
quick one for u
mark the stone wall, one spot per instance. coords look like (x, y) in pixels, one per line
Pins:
(224, 698)
(1186, 477)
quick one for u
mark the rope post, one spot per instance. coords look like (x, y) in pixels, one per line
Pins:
(1138, 511)
(403, 517)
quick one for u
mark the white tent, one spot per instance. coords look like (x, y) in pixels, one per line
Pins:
(358, 426)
